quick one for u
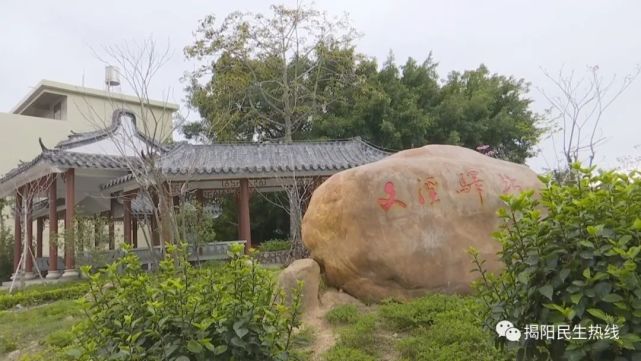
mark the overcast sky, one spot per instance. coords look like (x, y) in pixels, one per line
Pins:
(54, 39)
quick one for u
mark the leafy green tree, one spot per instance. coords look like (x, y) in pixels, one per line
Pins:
(406, 107)
(478, 108)
(267, 76)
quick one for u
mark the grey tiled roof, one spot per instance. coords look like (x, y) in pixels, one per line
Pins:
(269, 157)
(61, 158)
(257, 158)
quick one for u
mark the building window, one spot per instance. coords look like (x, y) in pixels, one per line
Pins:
(57, 111)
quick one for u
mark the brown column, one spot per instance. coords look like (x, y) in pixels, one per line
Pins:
(134, 232)
(53, 230)
(112, 229)
(29, 234)
(70, 202)
(200, 198)
(40, 228)
(153, 223)
(155, 234)
(17, 252)
(97, 231)
(244, 230)
(164, 208)
(126, 218)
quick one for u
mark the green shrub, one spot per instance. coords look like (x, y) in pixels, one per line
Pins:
(185, 313)
(42, 294)
(275, 245)
(342, 314)
(572, 257)
(343, 353)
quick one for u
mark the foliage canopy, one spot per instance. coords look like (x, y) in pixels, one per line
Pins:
(294, 74)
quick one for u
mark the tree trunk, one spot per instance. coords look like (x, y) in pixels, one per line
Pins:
(295, 219)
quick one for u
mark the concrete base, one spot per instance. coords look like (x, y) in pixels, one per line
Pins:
(71, 273)
(52, 275)
(29, 275)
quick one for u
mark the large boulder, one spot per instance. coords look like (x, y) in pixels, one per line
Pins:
(401, 226)
(307, 271)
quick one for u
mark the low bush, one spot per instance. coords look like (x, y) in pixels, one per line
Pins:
(274, 245)
(342, 314)
(43, 294)
(573, 257)
(185, 313)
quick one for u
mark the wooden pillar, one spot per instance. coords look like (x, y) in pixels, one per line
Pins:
(40, 228)
(164, 207)
(200, 198)
(176, 202)
(112, 215)
(243, 214)
(155, 234)
(53, 230)
(29, 233)
(134, 232)
(126, 218)
(70, 202)
(17, 252)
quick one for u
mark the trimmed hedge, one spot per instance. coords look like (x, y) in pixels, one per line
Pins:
(274, 245)
(32, 297)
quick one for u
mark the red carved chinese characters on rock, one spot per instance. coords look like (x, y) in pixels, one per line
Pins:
(470, 180)
(390, 201)
(509, 184)
(429, 184)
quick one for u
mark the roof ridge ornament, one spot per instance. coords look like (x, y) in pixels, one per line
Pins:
(42, 145)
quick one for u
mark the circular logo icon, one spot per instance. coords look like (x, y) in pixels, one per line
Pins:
(513, 334)
(503, 326)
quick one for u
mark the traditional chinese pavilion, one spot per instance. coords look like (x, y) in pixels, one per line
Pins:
(99, 173)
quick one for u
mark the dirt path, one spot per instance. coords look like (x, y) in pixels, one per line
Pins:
(324, 335)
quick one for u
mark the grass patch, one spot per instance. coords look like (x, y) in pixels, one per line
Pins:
(344, 353)
(47, 326)
(360, 335)
(342, 314)
(434, 328)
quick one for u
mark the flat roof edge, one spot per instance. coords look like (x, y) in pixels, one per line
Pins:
(44, 85)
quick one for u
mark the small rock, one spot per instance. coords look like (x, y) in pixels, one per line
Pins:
(308, 271)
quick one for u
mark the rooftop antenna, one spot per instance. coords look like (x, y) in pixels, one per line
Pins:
(112, 78)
